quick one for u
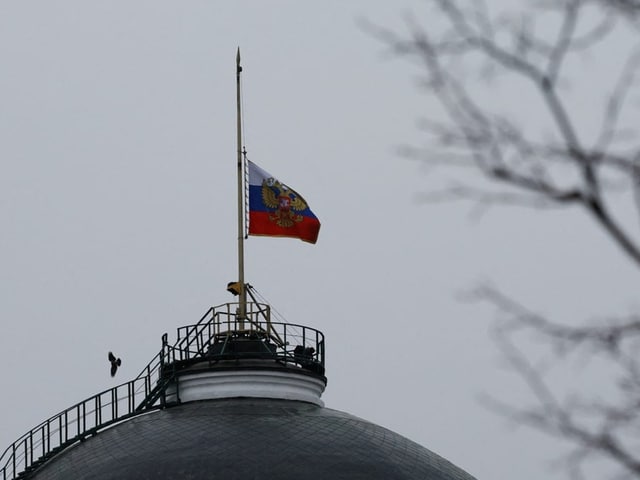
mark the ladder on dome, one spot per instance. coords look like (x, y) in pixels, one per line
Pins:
(143, 393)
(218, 328)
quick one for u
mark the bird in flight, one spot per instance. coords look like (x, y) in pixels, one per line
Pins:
(115, 363)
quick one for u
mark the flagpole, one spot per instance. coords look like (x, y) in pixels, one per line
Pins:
(242, 312)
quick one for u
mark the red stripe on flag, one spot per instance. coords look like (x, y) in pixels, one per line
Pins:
(262, 223)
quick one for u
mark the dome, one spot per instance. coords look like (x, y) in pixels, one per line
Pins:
(236, 397)
(240, 438)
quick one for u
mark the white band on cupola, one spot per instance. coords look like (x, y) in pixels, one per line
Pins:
(216, 384)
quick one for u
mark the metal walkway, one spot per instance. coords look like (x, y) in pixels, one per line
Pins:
(207, 340)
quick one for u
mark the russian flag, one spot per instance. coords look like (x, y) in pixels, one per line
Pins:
(278, 211)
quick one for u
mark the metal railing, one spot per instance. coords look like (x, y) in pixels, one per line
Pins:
(285, 342)
(210, 339)
(78, 422)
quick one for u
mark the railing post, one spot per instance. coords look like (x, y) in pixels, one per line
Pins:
(66, 425)
(164, 350)
(114, 404)
(285, 339)
(84, 419)
(24, 443)
(147, 385)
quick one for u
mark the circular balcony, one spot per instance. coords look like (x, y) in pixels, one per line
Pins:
(223, 335)
(229, 355)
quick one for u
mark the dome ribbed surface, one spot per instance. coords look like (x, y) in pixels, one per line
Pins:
(248, 439)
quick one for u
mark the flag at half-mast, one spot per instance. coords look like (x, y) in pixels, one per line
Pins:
(277, 210)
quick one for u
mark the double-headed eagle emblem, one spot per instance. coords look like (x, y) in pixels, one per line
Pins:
(285, 201)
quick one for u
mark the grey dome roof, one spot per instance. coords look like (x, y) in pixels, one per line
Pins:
(241, 438)
(234, 398)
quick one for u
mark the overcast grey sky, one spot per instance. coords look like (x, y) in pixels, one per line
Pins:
(117, 206)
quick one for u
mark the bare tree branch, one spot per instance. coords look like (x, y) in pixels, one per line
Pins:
(592, 427)
(501, 152)
(569, 166)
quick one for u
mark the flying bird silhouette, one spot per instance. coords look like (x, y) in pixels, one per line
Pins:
(115, 363)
